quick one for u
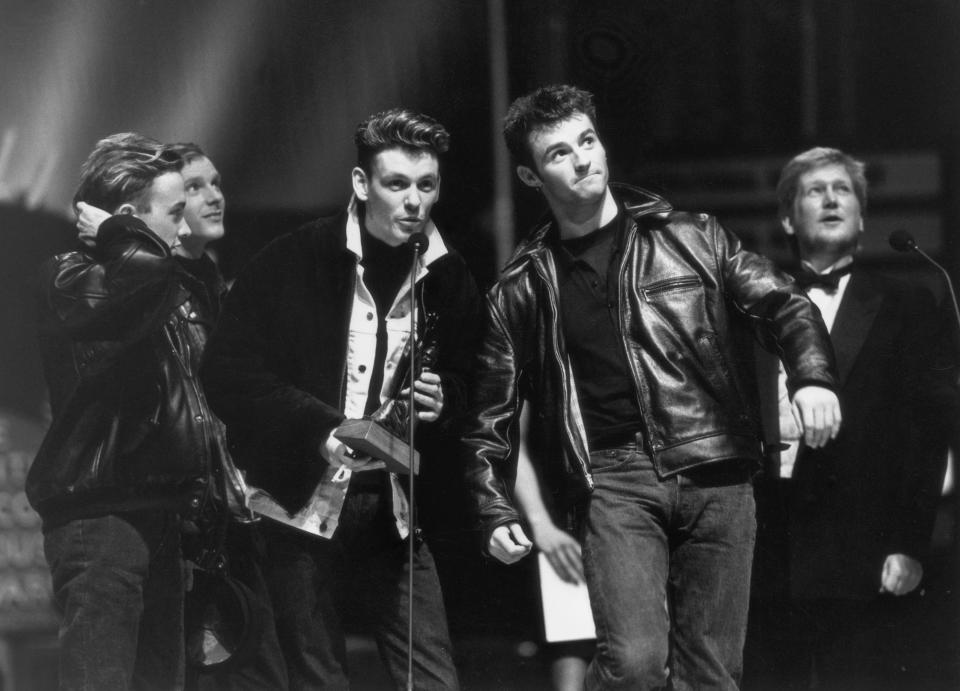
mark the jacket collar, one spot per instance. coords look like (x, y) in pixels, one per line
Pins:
(435, 249)
(637, 202)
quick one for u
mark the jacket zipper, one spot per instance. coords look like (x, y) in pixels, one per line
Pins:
(660, 286)
(551, 294)
(621, 318)
(201, 409)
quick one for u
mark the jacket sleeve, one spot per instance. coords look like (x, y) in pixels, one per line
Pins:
(931, 405)
(119, 291)
(248, 364)
(458, 300)
(494, 407)
(785, 319)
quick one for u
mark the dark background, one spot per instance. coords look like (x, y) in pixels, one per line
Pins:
(702, 101)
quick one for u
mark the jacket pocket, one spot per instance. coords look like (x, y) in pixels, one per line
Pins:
(662, 289)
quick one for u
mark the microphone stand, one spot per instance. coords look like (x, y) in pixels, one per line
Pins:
(946, 275)
(903, 243)
(411, 529)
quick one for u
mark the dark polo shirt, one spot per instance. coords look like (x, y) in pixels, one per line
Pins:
(587, 275)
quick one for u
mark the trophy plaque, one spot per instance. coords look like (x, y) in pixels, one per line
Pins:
(384, 435)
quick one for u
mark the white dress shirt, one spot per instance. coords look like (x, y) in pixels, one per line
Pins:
(828, 302)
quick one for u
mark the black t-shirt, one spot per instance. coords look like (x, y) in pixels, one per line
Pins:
(587, 276)
(385, 268)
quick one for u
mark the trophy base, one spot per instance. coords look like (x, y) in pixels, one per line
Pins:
(366, 436)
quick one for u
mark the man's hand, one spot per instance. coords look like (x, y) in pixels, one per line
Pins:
(428, 396)
(89, 218)
(561, 550)
(339, 455)
(508, 543)
(901, 574)
(817, 412)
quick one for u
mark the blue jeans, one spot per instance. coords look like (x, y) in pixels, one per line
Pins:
(118, 586)
(667, 564)
(365, 565)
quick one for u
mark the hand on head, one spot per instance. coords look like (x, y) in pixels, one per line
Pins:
(89, 218)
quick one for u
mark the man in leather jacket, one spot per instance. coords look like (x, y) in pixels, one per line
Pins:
(627, 324)
(132, 442)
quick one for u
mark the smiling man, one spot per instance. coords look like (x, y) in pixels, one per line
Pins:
(311, 334)
(627, 325)
(130, 449)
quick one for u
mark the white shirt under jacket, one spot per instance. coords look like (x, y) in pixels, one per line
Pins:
(321, 516)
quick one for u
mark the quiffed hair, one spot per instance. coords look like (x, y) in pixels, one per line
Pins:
(787, 186)
(542, 108)
(187, 151)
(401, 128)
(121, 168)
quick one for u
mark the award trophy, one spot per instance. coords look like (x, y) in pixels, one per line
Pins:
(384, 434)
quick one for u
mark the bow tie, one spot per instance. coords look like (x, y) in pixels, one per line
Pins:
(829, 281)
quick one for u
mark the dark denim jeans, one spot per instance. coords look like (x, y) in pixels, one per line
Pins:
(668, 569)
(118, 586)
(311, 579)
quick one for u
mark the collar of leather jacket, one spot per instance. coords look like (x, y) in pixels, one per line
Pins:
(636, 201)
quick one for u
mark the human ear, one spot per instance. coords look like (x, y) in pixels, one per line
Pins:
(787, 226)
(528, 177)
(360, 183)
(128, 209)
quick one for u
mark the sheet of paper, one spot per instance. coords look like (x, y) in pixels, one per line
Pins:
(566, 607)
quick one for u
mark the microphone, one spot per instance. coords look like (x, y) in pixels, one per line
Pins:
(418, 242)
(902, 241)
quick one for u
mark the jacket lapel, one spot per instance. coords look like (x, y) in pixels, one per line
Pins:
(858, 308)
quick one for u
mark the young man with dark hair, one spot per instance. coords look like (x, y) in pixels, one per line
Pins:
(626, 324)
(132, 446)
(312, 334)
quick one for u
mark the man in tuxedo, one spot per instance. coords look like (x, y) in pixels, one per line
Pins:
(851, 520)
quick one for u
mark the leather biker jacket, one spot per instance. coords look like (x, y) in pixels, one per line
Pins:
(121, 337)
(691, 298)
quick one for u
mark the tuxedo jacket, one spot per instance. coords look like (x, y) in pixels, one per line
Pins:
(873, 490)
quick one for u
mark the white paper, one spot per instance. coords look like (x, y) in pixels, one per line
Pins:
(566, 607)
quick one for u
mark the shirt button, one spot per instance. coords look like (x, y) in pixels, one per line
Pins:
(369, 316)
(362, 368)
(198, 418)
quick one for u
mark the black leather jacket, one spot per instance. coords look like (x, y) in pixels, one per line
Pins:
(121, 334)
(690, 300)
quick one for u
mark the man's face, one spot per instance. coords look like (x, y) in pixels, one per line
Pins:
(570, 163)
(399, 193)
(166, 200)
(205, 203)
(826, 213)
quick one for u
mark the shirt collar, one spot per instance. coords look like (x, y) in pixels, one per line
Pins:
(435, 250)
